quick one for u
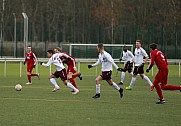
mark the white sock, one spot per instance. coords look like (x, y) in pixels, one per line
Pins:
(116, 86)
(98, 88)
(147, 80)
(122, 76)
(71, 86)
(53, 81)
(132, 82)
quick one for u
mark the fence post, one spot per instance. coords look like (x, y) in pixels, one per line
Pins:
(37, 67)
(152, 71)
(50, 69)
(5, 68)
(20, 72)
(179, 69)
(78, 66)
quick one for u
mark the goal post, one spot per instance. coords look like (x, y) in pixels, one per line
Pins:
(89, 51)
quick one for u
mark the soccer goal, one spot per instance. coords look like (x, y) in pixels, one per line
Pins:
(89, 51)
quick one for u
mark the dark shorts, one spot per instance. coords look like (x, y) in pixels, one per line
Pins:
(138, 70)
(128, 67)
(106, 75)
(62, 74)
(30, 68)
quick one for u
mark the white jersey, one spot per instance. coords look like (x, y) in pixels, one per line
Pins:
(55, 59)
(106, 60)
(140, 53)
(127, 56)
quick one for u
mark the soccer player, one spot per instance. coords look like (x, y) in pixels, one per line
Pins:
(31, 61)
(60, 71)
(71, 63)
(162, 76)
(107, 61)
(127, 56)
(140, 53)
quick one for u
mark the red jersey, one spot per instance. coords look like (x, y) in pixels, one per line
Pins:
(30, 58)
(69, 61)
(159, 58)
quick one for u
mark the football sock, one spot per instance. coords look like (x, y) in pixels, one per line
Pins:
(75, 75)
(34, 75)
(98, 88)
(147, 80)
(73, 82)
(132, 82)
(122, 76)
(116, 86)
(29, 78)
(159, 91)
(53, 81)
(170, 87)
(71, 86)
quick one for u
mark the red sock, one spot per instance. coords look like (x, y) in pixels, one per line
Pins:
(75, 75)
(170, 87)
(159, 91)
(34, 75)
(29, 78)
(73, 82)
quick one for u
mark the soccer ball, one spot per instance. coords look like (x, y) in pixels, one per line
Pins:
(18, 87)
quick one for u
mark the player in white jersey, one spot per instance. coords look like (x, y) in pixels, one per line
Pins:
(60, 70)
(127, 57)
(107, 61)
(140, 53)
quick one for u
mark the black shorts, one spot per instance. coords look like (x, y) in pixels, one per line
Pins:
(106, 75)
(138, 70)
(62, 74)
(128, 67)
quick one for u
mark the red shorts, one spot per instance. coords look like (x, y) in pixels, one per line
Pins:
(30, 68)
(161, 77)
(106, 75)
(62, 74)
(71, 69)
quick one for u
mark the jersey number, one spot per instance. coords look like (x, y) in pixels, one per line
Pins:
(163, 58)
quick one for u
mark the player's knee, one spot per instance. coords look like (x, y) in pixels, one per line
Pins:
(129, 71)
(97, 81)
(28, 73)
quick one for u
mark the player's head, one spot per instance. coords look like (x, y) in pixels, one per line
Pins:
(138, 43)
(153, 46)
(125, 48)
(100, 47)
(50, 53)
(29, 49)
(57, 50)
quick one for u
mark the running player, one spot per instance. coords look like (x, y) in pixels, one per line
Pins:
(60, 71)
(140, 53)
(71, 63)
(127, 57)
(31, 61)
(107, 61)
(162, 76)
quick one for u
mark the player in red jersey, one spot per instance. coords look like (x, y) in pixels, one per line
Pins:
(31, 61)
(162, 76)
(71, 70)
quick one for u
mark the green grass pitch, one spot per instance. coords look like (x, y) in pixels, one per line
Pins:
(36, 105)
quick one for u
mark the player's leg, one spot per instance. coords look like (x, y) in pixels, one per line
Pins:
(53, 81)
(164, 78)
(135, 72)
(35, 75)
(29, 70)
(98, 87)
(113, 84)
(123, 74)
(77, 75)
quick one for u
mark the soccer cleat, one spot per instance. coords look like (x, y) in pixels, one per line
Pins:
(97, 96)
(128, 88)
(121, 92)
(151, 88)
(80, 77)
(28, 83)
(55, 89)
(75, 91)
(38, 76)
(120, 83)
(160, 101)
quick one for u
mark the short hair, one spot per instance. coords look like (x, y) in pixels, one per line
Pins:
(29, 46)
(138, 41)
(100, 46)
(58, 48)
(153, 46)
(50, 51)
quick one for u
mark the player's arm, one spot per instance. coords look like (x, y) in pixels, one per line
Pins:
(95, 64)
(131, 55)
(151, 62)
(35, 59)
(48, 63)
(110, 59)
(145, 55)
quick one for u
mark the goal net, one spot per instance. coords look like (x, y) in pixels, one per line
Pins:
(89, 51)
